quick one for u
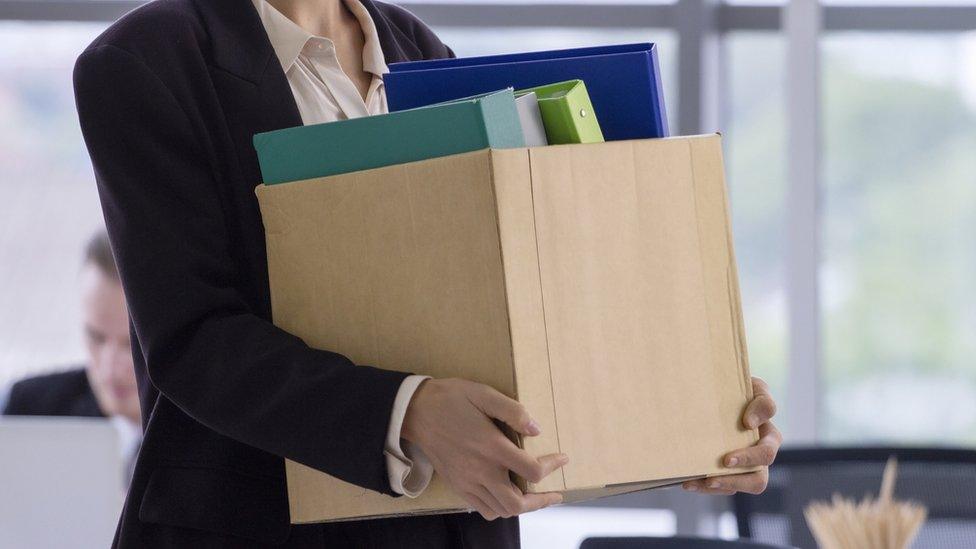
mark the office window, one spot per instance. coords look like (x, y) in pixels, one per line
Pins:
(896, 216)
(50, 205)
(899, 210)
(755, 147)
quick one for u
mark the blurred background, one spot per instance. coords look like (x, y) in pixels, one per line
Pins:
(850, 135)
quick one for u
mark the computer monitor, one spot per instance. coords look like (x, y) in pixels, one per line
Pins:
(62, 482)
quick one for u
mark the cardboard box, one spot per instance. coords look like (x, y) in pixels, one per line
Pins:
(594, 283)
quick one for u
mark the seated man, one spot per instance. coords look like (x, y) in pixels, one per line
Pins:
(106, 385)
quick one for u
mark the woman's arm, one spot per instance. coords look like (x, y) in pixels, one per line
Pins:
(204, 347)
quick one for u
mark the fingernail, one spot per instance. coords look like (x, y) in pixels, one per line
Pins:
(692, 487)
(732, 462)
(533, 428)
(714, 484)
(753, 421)
(563, 458)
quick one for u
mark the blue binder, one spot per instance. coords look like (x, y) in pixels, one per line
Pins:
(624, 83)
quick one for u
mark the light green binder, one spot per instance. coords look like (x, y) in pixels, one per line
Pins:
(567, 112)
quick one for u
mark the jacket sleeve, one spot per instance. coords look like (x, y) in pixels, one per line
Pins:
(205, 349)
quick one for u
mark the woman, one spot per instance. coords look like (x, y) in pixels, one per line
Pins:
(169, 98)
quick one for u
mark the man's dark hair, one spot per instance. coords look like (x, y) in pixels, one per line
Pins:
(98, 252)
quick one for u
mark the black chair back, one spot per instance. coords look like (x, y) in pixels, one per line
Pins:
(944, 480)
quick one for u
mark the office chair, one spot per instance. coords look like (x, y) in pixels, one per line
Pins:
(672, 543)
(944, 480)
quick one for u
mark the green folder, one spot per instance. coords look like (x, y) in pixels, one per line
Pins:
(567, 113)
(307, 152)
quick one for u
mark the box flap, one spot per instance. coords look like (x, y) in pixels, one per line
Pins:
(642, 227)
(399, 268)
(523, 288)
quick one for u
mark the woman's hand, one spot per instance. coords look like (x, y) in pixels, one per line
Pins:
(757, 414)
(451, 421)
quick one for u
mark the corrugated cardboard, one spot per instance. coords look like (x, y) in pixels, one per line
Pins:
(594, 283)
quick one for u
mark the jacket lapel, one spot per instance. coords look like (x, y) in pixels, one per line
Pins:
(241, 46)
(396, 45)
(86, 404)
(251, 86)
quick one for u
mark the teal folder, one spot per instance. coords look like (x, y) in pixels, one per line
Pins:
(307, 152)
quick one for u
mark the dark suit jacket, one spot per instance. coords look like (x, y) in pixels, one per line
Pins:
(169, 98)
(64, 393)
